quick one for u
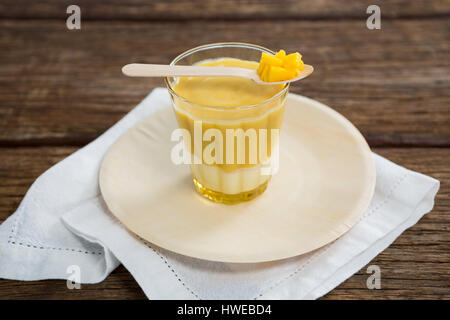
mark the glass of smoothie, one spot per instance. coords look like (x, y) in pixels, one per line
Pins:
(233, 123)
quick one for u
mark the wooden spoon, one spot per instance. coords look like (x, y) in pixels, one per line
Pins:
(162, 70)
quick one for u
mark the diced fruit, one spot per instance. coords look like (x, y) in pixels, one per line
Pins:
(271, 60)
(260, 67)
(281, 54)
(279, 67)
(292, 60)
(266, 71)
(278, 74)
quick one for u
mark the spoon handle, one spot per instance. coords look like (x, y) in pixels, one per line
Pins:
(161, 70)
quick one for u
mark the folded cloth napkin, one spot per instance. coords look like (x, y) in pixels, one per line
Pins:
(63, 222)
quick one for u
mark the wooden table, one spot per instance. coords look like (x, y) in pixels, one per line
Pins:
(60, 89)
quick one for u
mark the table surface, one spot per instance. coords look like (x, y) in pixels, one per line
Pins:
(60, 89)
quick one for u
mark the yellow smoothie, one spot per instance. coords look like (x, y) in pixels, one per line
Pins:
(223, 103)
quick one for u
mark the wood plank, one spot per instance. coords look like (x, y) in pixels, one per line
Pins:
(119, 285)
(218, 9)
(415, 266)
(60, 87)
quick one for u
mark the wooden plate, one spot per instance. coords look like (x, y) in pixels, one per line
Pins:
(325, 182)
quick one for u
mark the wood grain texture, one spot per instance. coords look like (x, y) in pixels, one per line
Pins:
(60, 87)
(119, 285)
(415, 266)
(219, 9)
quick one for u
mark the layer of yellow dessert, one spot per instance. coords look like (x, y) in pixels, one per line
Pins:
(223, 103)
(225, 91)
(280, 67)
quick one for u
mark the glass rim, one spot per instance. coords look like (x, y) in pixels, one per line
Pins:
(221, 45)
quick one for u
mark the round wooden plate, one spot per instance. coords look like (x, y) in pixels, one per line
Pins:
(325, 182)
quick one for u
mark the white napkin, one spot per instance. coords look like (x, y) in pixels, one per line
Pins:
(63, 222)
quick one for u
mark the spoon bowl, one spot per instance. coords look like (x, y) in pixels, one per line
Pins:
(161, 70)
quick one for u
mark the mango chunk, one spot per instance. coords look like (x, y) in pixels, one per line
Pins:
(281, 54)
(292, 60)
(278, 74)
(271, 60)
(279, 67)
